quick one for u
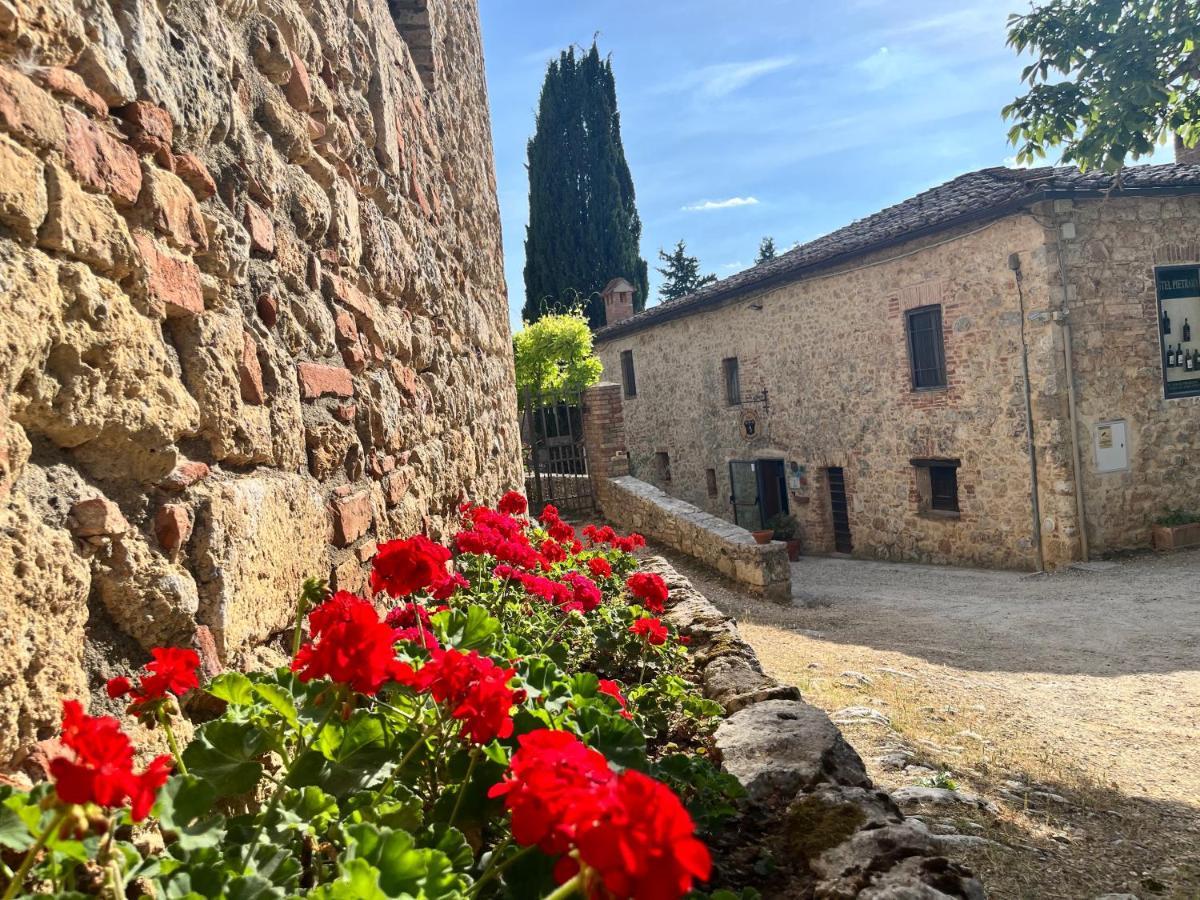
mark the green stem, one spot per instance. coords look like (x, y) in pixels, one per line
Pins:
(493, 870)
(165, 721)
(277, 795)
(22, 872)
(462, 791)
(417, 744)
(566, 889)
(312, 591)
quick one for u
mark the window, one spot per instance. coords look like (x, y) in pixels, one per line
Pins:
(937, 486)
(710, 478)
(926, 353)
(627, 375)
(943, 488)
(662, 466)
(733, 389)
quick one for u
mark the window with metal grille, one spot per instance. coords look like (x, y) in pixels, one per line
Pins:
(733, 388)
(943, 488)
(926, 352)
(628, 379)
(937, 485)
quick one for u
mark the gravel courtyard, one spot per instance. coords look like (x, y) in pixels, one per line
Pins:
(1069, 703)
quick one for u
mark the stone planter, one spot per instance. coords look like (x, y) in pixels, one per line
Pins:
(763, 537)
(794, 547)
(1175, 537)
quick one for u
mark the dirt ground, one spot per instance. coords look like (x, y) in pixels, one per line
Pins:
(1069, 703)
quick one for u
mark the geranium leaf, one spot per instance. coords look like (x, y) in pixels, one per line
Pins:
(472, 629)
(223, 754)
(232, 687)
(359, 880)
(279, 699)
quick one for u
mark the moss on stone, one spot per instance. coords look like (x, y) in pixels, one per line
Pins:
(812, 826)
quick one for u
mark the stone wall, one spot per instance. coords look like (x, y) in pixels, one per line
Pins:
(809, 799)
(254, 317)
(831, 353)
(633, 505)
(1110, 262)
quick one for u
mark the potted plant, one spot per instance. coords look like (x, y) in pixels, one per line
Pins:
(787, 529)
(763, 536)
(1176, 530)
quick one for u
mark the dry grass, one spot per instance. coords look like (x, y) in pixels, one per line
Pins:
(1127, 819)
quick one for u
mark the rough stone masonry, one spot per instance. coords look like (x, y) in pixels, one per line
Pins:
(253, 317)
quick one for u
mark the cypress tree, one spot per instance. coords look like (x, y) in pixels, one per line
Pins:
(766, 250)
(583, 223)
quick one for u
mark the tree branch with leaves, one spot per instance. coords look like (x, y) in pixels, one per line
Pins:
(1110, 79)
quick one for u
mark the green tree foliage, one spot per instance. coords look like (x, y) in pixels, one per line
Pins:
(554, 352)
(766, 250)
(1110, 79)
(583, 227)
(681, 275)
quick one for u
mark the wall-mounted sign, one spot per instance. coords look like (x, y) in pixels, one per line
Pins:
(1112, 455)
(749, 424)
(1178, 291)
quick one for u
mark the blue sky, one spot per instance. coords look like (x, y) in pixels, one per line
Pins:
(777, 117)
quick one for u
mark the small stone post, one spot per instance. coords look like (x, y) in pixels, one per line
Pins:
(604, 437)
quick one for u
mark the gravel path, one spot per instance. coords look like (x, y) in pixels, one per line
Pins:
(1085, 682)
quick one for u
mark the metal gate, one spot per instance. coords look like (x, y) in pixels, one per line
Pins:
(552, 448)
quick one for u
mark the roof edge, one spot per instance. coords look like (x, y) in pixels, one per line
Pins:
(719, 298)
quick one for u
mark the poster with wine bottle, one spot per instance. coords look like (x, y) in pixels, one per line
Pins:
(1178, 290)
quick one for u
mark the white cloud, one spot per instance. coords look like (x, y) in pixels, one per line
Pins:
(734, 265)
(722, 79)
(721, 204)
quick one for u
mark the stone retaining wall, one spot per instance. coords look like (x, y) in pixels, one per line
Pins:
(808, 794)
(635, 505)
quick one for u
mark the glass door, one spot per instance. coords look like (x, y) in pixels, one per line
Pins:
(743, 483)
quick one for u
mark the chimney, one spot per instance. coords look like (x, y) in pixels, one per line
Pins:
(1184, 155)
(618, 301)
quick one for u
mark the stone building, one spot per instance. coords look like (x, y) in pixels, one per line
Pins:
(253, 318)
(872, 383)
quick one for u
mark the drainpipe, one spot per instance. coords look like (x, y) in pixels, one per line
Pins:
(1064, 322)
(1014, 263)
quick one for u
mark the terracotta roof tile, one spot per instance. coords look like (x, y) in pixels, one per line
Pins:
(974, 196)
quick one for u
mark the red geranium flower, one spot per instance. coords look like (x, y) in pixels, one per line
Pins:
(561, 531)
(170, 670)
(445, 589)
(632, 833)
(629, 542)
(422, 637)
(643, 845)
(553, 784)
(101, 771)
(407, 615)
(553, 551)
(649, 588)
(607, 686)
(350, 645)
(651, 629)
(512, 504)
(404, 567)
(475, 689)
(599, 567)
(584, 592)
